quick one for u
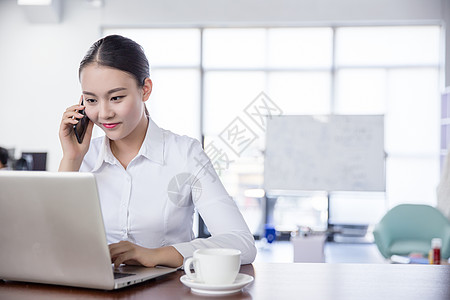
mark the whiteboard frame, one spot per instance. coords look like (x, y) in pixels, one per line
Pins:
(278, 156)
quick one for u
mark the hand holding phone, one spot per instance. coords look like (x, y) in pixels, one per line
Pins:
(81, 127)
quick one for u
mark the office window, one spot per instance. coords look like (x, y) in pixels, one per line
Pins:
(306, 92)
(361, 91)
(299, 47)
(395, 71)
(226, 95)
(387, 46)
(205, 78)
(227, 49)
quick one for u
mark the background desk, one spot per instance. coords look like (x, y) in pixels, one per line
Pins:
(277, 281)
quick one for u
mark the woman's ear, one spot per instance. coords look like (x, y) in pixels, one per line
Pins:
(147, 89)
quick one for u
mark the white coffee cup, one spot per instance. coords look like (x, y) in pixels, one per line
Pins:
(216, 266)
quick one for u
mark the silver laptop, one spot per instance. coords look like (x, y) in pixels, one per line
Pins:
(51, 231)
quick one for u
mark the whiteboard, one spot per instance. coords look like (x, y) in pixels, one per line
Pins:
(325, 153)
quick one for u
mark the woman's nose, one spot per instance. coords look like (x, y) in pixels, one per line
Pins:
(105, 112)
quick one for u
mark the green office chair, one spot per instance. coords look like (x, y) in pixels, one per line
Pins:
(409, 228)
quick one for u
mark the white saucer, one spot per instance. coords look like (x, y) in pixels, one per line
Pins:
(208, 289)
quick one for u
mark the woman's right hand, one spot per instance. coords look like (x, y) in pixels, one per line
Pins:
(73, 152)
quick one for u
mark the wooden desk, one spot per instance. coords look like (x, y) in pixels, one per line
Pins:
(277, 281)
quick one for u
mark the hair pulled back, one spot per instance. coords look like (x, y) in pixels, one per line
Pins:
(118, 52)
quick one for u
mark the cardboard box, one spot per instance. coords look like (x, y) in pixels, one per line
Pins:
(309, 249)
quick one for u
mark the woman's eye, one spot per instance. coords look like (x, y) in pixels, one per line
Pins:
(117, 98)
(90, 100)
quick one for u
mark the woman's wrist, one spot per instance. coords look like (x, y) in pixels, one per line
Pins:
(169, 256)
(70, 165)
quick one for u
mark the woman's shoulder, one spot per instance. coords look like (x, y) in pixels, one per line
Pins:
(181, 145)
(96, 144)
(181, 141)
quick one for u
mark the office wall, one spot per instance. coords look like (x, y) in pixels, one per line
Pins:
(225, 12)
(38, 62)
(446, 54)
(38, 74)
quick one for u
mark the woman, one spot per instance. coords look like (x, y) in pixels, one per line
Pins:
(149, 179)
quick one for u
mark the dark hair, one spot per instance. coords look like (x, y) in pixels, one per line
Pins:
(120, 53)
(4, 156)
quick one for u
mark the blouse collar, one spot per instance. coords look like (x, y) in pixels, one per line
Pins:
(152, 148)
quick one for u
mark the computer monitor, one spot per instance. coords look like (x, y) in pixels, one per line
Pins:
(36, 161)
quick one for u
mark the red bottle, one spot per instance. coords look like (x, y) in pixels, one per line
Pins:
(436, 245)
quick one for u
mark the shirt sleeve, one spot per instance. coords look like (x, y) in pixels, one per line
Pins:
(218, 210)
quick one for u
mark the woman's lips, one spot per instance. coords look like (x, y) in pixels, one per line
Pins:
(110, 125)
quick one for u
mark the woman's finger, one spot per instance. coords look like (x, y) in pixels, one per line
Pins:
(74, 115)
(118, 248)
(127, 257)
(75, 107)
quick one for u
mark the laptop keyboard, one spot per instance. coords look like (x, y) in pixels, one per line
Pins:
(122, 275)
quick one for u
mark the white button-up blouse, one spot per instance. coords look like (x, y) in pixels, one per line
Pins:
(151, 202)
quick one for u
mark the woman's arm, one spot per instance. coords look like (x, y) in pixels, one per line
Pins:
(228, 230)
(218, 210)
(69, 165)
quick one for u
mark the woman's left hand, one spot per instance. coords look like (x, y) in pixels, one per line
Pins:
(128, 253)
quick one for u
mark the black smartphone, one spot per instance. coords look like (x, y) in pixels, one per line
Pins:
(81, 127)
